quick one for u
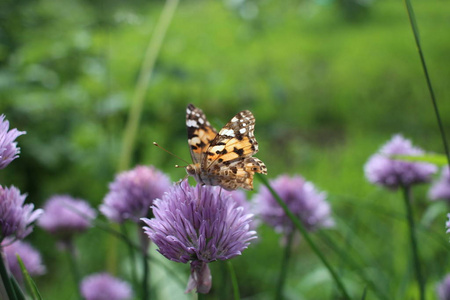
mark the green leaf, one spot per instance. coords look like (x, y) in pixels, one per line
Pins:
(437, 159)
(32, 288)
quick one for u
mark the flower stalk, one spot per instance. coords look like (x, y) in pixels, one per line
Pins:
(284, 266)
(413, 239)
(298, 224)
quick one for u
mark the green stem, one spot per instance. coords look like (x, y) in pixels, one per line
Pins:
(413, 240)
(201, 296)
(284, 266)
(71, 256)
(234, 281)
(415, 29)
(132, 256)
(145, 262)
(298, 224)
(7, 284)
(143, 81)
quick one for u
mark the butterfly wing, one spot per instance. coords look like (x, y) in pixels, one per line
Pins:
(239, 173)
(229, 157)
(200, 132)
(235, 141)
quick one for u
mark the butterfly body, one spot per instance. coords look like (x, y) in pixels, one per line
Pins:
(223, 158)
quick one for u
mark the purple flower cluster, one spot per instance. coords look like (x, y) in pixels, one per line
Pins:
(383, 170)
(441, 188)
(102, 286)
(201, 225)
(302, 199)
(132, 193)
(443, 289)
(8, 148)
(30, 256)
(16, 218)
(65, 216)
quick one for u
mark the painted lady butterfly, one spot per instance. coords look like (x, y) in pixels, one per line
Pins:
(223, 158)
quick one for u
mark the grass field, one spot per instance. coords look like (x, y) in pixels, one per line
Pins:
(328, 81)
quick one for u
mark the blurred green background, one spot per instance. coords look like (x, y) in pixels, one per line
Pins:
(328, 82)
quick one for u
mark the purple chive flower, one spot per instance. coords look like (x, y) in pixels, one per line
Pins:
(102, 286)
(441, 188)
(199, 225)
(132, 193)
(16, 218)
(65, 216)
(382, 170)
(30, 256)
(8, 148)
(443, 288)
(301, 197)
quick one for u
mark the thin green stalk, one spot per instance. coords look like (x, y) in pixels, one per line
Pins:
(134, 115)
(6, 280)
(284, 266)
(201, 296)
(103, 226)
(298, 224)
(71, 256)
(415, 29)
(146, 275)
(412, 235)
(234, 281)
(131, 252)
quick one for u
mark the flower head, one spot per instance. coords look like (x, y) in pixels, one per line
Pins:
(8, 148)
(443, 289)
(65, 216)
(441, 188)
(382, 170)
(200, 225)
(302, 199)
(132, 193)
(31, 258)
(16, 218)
(102, 286)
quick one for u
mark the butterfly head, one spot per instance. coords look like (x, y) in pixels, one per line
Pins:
(194, 170)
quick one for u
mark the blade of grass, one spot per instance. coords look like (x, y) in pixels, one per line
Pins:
(134, 115)
(234, 281)
(415, 29)
(413, 240)
(284, 266)
(19, 293)
(31, 285)
(298, 224)
(6, 280)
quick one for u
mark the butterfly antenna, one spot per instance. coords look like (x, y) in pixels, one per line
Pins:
(176, 166)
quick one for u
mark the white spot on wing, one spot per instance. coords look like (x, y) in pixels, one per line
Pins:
(228, 132)
(191, 123)
(242, 130)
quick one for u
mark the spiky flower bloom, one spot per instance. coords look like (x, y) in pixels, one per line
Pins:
(301, 197)
(383, 170)
(65, 216)
(132, 193)
(443, 288)
(8, 148)
(199, 225)
(31, 258)
(16, 218)
(441, 188)
(103, 286)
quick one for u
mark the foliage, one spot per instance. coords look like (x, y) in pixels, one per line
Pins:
(326, 87)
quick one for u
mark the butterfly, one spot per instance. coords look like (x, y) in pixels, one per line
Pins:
(223, 158)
